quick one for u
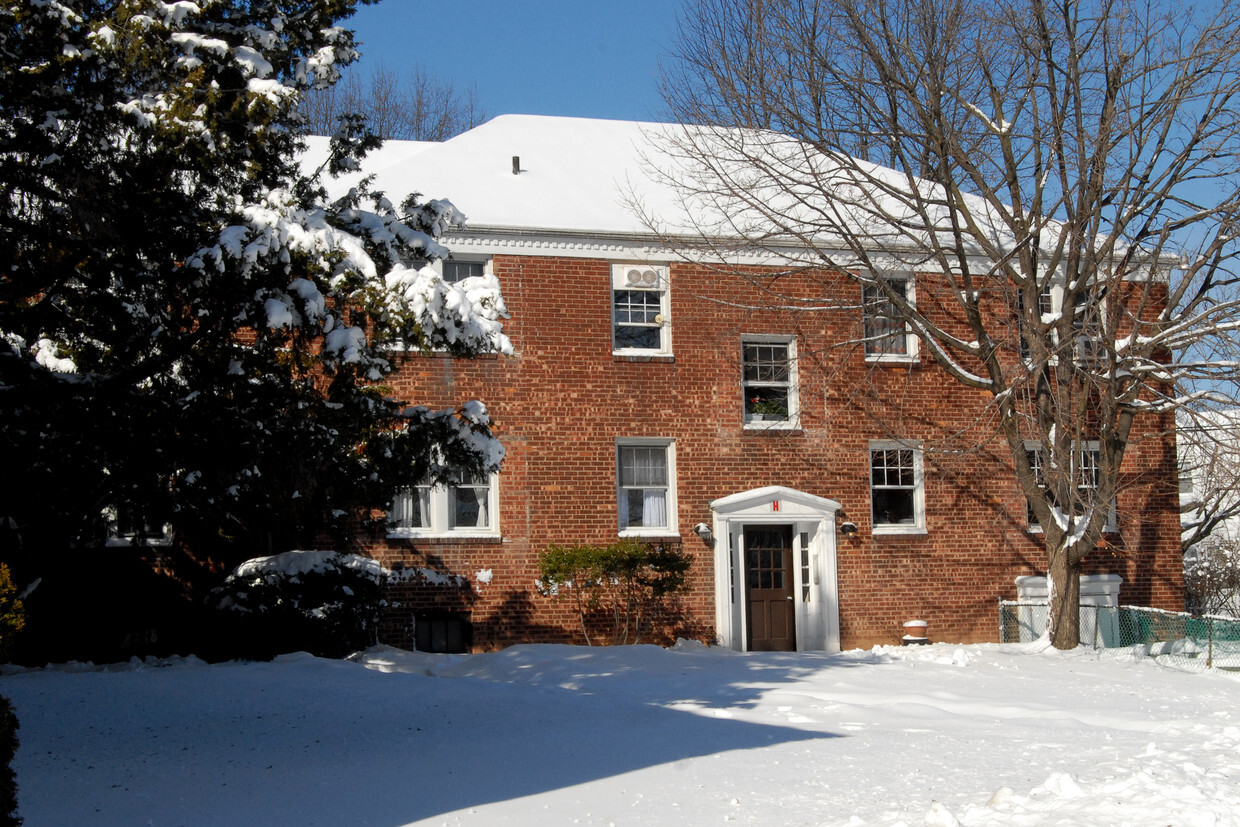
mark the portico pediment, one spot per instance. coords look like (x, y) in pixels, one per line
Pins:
(771, 500)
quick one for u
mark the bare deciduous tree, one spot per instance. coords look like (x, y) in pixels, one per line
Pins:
(413, 107)
(1069, 173)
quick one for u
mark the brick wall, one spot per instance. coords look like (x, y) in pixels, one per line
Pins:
(562, 401)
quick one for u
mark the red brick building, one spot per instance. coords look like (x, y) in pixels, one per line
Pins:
(830, 481)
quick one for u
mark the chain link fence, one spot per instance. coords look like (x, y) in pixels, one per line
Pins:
(1190, 641)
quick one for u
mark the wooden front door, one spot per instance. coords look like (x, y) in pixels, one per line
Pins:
(768, 580)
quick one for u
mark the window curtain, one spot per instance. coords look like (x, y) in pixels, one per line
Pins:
(654, 507)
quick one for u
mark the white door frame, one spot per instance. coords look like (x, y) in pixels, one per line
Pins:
(813, 520)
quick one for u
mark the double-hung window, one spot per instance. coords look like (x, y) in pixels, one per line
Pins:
(645, 486)
(769, 381)
(1087, 327)
(897, 495)
(1086, 315)
(639, 307)
(1085, 471)
(465, 506)
(886, 335)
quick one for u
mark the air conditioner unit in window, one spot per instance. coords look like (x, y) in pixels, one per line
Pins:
(642, 278)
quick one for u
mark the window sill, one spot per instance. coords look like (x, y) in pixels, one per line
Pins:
(643, 357)
(911, 359)
(408, 534)
(784, 426)
(650, 534)
(897, 530)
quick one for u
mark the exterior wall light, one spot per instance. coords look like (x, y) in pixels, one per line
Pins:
(849, 530)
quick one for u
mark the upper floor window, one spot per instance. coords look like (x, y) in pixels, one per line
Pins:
(769, 381)
(455, 269)
(459, 269)
(886, 334)
(639, 309)
(1085, 471)
(1086, 316)
(897, 495)
(645, 491)
(465, 506)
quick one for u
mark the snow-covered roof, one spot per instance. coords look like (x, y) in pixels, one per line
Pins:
(575, 173)
(582, 177)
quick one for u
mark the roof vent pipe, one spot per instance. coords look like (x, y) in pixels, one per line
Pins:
(516, 165)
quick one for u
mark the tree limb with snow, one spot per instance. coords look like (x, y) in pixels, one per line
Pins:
(191, 328)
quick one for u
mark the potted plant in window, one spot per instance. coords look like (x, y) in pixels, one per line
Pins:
(767, 410)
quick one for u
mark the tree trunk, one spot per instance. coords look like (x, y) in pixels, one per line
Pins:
(1064, 582)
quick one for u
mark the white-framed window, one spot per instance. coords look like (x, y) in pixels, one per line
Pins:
(639, 310)
(129, 526)
(455, 269)
(886, 334)
(646, 486)
(1087, 318)
(769, 381)
(466, 507)
(1086, 471)
(897, 489)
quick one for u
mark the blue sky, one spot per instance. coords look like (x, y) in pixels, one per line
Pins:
(587, 58)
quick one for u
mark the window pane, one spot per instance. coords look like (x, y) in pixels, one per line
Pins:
(454, 271)
(771, 403)
(644, 338)
(892, 506)
(411, 508)
(882, 327)
(469, 507)
(892, 467)
(634, 498)
(637, 306)
(643, 465)
(766, 363)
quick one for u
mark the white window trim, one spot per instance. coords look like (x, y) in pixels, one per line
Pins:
(910, 341)
(918, 526)
(1086, 349)
(671, 529)
(437, 264)
(486, 261)
(1112, 523)
(793, 422)
(440, 511)
(619, 281)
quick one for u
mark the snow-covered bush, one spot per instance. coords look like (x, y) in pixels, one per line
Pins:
(321, 602)
(1212, 579)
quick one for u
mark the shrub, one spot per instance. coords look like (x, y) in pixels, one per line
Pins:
(12, 613)
(622, 583)
(8, 779)
(321, 602)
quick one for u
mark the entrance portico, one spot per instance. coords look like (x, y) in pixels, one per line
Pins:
(775, 570)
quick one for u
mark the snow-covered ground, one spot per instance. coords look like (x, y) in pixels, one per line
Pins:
(548, 735)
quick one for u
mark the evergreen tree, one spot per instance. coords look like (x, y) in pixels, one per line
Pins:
(190, 332)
